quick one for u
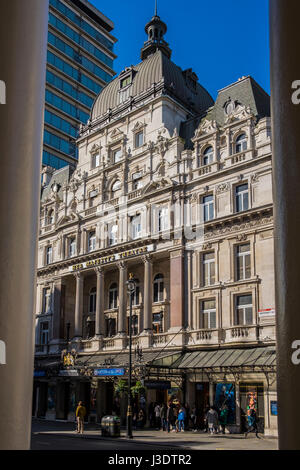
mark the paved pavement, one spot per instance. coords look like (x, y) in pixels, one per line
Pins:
(47, 435)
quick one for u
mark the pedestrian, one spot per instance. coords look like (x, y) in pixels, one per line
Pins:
(252, 423)
(80, 414)
(187, 416)
(135, 416)
(170, 418)
(212, 420)
(157, 416)
(163, 417)
(141, 419)
(181, 419)
(194, 418)
(223, 417)
(151, 415)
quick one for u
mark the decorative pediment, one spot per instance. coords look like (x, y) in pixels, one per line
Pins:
(95, 149)
(239, 113)
(157, 184)
(116, 135)
(206, 127)
(139, 126)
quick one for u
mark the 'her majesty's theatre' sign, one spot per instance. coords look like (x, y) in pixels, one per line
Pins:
(111, 258)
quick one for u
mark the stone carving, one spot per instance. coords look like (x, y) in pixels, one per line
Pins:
(241, 237)
(206, 127)
(222, 188)
(240, 112)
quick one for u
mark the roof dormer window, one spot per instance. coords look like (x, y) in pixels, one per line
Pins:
(125, 82)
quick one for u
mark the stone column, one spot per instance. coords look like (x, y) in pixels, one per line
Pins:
(78, 306)
(100, 320)
(177, 320)
(285, 74)
(122, 298)
(23, 46)
(58, 300)
(189, 288)
(147, 260)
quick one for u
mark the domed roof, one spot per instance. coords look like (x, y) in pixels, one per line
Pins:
(156, 69)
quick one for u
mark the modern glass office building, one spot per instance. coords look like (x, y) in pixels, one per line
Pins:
(79, 64)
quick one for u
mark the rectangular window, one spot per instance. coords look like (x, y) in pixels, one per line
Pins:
(208, 319)
(241, 198)
(44, 333)
(134, 325)
(92, 241)
(208, 266)
(95, 161)
(117, 155)
(125, 81)
(163, 219)
(136, 227)
(243, 262)
(113, 235)
(244, 310)
(139, 139)
(208, 208)
(49, 255)
(110, 324)
(72, 247)
(113, 298)
(46, 300)
(137, 182)
(157, 323)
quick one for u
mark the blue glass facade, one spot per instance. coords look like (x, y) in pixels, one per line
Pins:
(79, 64)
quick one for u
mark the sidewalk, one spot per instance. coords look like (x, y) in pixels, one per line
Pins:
(187, 440)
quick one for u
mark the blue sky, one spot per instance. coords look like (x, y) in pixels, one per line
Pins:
(222, 40)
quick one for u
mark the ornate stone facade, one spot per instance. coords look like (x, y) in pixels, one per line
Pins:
(181, 202)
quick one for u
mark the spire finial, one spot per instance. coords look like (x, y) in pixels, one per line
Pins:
(155, 12)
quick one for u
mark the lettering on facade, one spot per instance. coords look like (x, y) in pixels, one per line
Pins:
(296, 94)
(2, 353)
(2, 92)
(296, 353)
(111, 258)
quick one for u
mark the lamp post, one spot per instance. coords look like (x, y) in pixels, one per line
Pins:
(130, 289)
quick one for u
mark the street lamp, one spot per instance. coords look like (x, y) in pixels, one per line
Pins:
(131, 286)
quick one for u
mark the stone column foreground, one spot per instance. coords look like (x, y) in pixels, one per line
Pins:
(23, 45)
(177, 283)
(285, 86)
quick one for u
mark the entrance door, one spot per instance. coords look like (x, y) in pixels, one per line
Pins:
(201, 401)
(252, 395)
(62, 400)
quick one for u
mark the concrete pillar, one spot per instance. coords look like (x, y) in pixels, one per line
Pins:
(23, 44)
(78, 306)
(58, 310)
(147, 293)
(177, 289)
(285, 70)
(100, 320)
(122, 298)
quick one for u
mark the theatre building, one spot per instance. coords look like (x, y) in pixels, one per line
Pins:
(175, 189)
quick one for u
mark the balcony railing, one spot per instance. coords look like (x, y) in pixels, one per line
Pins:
(91, 211)
(242, 333)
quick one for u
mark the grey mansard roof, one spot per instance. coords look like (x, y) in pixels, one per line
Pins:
(158, 69)
(245, 91)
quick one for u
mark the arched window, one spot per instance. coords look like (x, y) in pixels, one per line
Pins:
(113, 296)
(92, 302)
(241, 143)
(208, 156)
(158, 288)
(92, 241)
(116, 186)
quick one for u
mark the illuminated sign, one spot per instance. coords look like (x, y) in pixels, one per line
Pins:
(108, 372)
(111, 258)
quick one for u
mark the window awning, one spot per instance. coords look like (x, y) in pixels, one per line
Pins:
(259, 358)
